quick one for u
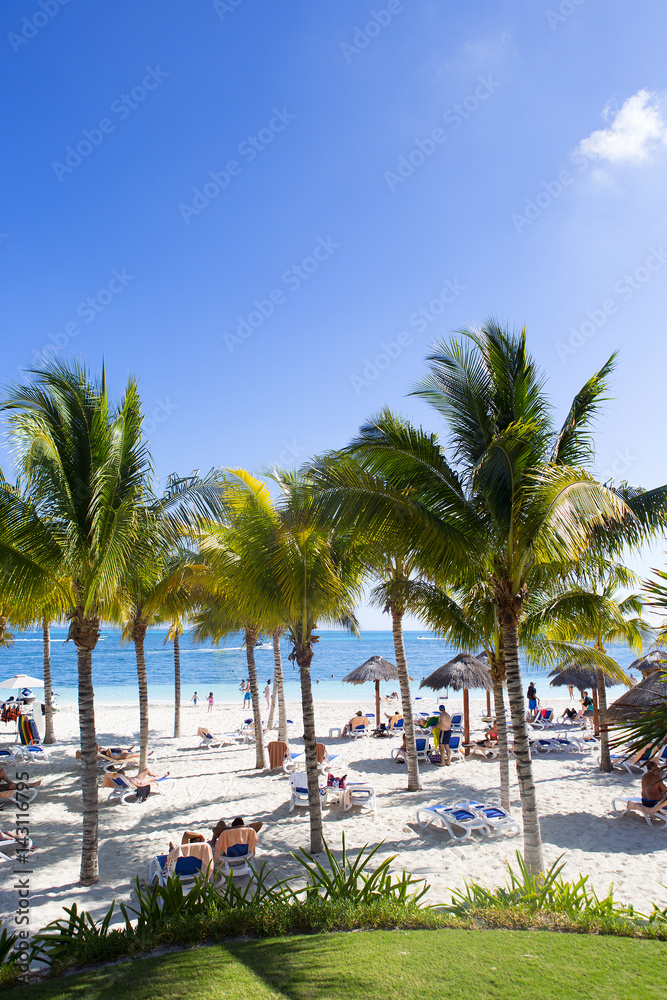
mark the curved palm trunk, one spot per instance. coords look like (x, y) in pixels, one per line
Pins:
(414, 783)
(49, 735)
(279, 689)
(304, 658)
(532, 837)
(605, 757)
(139, 634)
(503, 754)
(250, 639)
(177, 684)
(85, 633)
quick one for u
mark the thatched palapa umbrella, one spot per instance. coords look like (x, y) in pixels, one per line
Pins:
(584, 677)
(461, 673)
(650, 692)
(374, 669)
(657, 660)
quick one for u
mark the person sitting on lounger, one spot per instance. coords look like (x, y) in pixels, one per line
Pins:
(393, 718)
(654, 790)
(7, 785)
(570, 714)
(357, 720)
(221, 826)
(490, 736)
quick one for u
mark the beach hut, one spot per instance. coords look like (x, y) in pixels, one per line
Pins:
(376, 669)
(584, 677)
(463, 673)
(650, 692)
(652, 662)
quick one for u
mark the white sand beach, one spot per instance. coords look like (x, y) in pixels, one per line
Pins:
(574, 801)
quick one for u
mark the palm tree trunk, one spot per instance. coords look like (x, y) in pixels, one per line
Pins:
(303, 658)
(139, 634)
(89, 871)
(177, 684)
(250, 639)
(503, 754)
(532, 838)
(414, 783)
(605, 757)
(279, 688)
(49, 735)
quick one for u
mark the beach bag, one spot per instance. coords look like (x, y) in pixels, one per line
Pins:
(143, 792)
(333, 781)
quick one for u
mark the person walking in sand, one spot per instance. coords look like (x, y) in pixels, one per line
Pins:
(267, 694)
(195, 699)
(210, 701)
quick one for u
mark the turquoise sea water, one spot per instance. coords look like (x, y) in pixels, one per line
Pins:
(207, 668)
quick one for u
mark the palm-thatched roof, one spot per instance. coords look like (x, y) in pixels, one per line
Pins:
(464, 671)
(579, 675)
(374, 669)
(652, 661)
(648, 694)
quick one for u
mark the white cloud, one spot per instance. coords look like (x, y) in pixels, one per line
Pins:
(634, 133)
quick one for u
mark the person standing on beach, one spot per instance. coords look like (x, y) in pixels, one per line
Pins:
(210, 701)
(531, 694)
(445, 727)
(570, 688)
(267, 694)
(195, 699)
(242, 690)
(247, 697)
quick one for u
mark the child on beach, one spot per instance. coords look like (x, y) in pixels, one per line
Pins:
(195, 699)
(210, 701)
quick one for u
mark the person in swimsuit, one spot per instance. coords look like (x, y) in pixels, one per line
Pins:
(7, 785)
(654, 790)
(357, 720)
(393, 718)
(195, 699)
(531, 694)
(210, 701)
(444, 735)
(267, 694)
(247, 697)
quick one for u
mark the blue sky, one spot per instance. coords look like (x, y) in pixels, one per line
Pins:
(268, 211)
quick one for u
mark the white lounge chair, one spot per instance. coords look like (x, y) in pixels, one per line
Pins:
(493, 814)
(457, 722)
(11, 755)
(359, 793)
(650, 813)
(298, 783)
(34, 753)
(186, 862)
(633, 765)
(544, 721)
(211, 742)
(423, 744)
(454, 818)
(235, 849)
(124, 787)
(20, 797)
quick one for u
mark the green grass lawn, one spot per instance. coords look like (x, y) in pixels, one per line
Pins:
(394, 965)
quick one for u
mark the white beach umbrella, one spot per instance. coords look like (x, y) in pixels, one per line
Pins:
(22, 681)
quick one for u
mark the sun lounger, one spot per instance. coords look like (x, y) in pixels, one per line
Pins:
(545, 721)
(489, 753)
(280, 757)
(423, 744)
(457, 722)
(11, 754)
(187, 862)
(298, 783)
(235, 849)
(454, 818)
(211, 742)
(18, 796)
(34, 753)
(359, 793)
(496, 818)
(325, 763)
(123, 787)
(14, 844)
(633, 765)
(657, 813)
(362, 730)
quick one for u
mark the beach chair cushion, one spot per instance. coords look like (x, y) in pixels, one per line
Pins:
(237, 851)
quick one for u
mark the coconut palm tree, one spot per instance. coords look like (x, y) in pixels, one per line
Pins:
(173, 635)
(278, 688)
(84, 466)
(514, 504)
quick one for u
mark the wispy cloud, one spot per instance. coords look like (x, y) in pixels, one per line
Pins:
(635, 131)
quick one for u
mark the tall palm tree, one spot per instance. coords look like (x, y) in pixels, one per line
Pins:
(84, 466)
(173, 635)
(514, 504)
